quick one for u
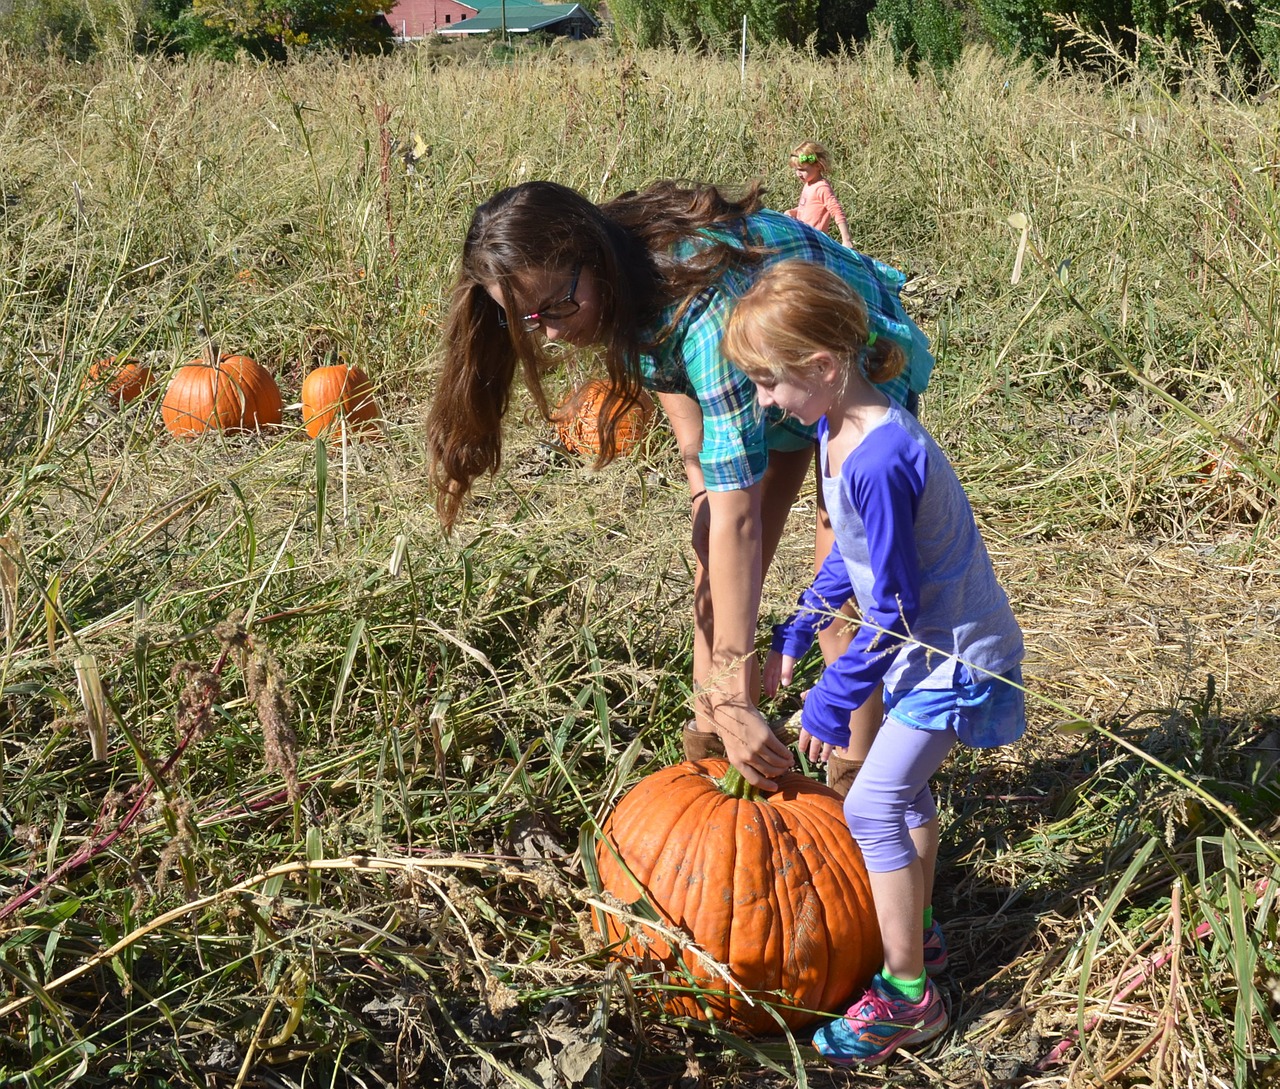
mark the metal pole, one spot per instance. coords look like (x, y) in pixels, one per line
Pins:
(504, 20)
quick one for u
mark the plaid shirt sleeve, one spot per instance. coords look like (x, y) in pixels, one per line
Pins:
(734, 428)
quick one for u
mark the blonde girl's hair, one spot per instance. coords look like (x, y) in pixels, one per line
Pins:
(796, 310)
(812, 147)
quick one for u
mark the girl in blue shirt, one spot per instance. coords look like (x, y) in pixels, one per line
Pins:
(936, 628)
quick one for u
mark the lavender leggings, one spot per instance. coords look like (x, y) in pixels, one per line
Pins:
(891, 794)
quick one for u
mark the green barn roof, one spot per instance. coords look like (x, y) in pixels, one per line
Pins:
(521, 18)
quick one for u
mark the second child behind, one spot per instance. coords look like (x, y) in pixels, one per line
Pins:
(818, 204)
(936, 628)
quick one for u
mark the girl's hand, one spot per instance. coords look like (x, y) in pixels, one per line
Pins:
(778, 669)
(818, 752)
(790, 212)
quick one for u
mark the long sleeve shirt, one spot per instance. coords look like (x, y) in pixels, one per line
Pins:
(908, 550)
(818, 205)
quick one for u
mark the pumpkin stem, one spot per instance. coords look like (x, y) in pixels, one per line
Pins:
(212, 353)
(736, 786)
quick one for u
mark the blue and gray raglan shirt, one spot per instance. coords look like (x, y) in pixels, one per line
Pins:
(908, 550)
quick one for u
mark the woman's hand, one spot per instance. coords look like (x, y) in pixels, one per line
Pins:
(751, 745)
(818, 752)
(778, 670)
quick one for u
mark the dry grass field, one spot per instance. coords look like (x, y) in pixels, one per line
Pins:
(330, 832)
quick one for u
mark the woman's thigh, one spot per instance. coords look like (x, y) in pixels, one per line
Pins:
(781, 485)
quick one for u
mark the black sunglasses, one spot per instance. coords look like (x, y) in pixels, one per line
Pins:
(561, 308)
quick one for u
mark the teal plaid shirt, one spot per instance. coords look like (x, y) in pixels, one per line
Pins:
(736, 434)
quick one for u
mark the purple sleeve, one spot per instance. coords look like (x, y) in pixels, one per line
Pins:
(885, 476)
(816, 608)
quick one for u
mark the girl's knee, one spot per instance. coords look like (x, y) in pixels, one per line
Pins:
(885, 845)
(883, 837)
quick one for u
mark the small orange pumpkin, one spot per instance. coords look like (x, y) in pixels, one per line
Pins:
(338, 396)
(221, 393)
(122, 380)
(772, 886)
(577, 420)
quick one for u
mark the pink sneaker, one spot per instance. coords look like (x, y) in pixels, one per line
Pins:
(879, 1023)
(935, 950)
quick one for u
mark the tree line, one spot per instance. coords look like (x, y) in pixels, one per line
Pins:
(932, 32)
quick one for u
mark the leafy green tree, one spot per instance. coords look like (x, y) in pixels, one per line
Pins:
(1186, 23)
(841, 23)
(270, 28)
(1020, 27)
(640, 23)
(931, 31)
(1266, 38)
(1026, 28)
(65, 26)
(793, 21)
(711, 24)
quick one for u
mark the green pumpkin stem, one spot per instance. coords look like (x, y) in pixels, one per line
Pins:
(736, 786)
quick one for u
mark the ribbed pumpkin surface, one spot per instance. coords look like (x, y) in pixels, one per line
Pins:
(235, 395)
(122, 380)
(577, 420)
(775, 889)
(340, 395)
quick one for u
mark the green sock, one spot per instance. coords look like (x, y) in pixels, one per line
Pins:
(928, 917)
(911, 989)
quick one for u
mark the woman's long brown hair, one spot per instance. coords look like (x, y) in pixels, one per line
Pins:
(542, 225)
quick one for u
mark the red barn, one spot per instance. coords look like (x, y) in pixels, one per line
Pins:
(420, 18)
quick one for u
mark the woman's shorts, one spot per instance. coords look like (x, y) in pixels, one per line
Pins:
(787, 435)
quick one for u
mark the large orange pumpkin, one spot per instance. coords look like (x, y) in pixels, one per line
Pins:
(577, 420)
(122, 380)
(774, 888)
(221, 393)
(338, 396)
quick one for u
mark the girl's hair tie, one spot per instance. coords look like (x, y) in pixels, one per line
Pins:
(806, 158)
(871, 338)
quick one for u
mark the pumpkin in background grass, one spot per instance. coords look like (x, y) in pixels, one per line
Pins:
(221, 393)
(773, 887)
(577, 420)
(336, 398)
(122, 380)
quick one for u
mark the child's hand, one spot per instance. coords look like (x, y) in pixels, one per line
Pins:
(790, 212)
(818, 752)
(778, 669)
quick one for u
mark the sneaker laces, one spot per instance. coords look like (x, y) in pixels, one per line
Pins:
(872, 1008)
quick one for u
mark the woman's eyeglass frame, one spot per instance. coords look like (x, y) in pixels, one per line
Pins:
(556, 311)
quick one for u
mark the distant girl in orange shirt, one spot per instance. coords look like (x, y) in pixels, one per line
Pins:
(818, 204)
